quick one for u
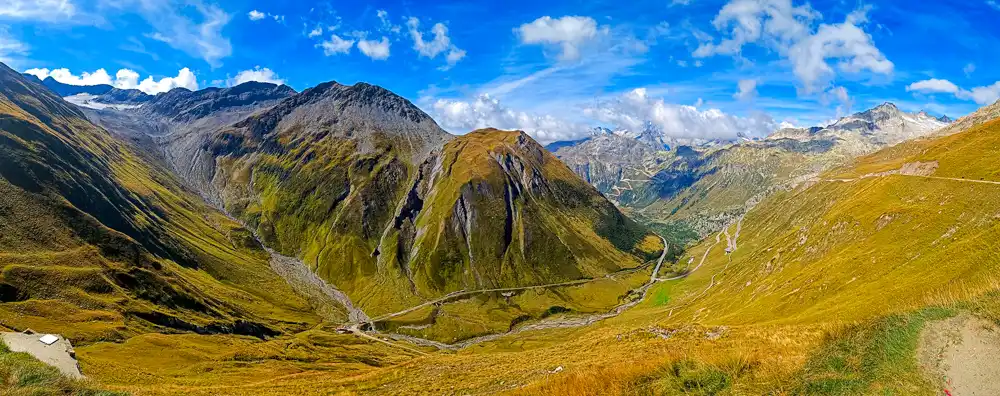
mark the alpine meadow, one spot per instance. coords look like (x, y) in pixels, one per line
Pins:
(687, 197)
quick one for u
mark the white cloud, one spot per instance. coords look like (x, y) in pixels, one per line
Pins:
(189, 26)
(377, 50)
(486, 112)
(635, 109)
(124, 79)
(256, 15)
(440, 44)
(316, 32)
(568, 33)
(933, 86)
(185, 79)
(789, 30)
(38, 10)
(98, 77)
(983, 95)
(747, 90)
(127, 79)
(993, 4)
(387, 25)
(336, 45)
(258, 74)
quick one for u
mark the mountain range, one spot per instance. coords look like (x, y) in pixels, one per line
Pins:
(258, 240)
(689, 191)
(365, 188)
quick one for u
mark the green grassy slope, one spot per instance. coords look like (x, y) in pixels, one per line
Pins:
(850, 250)
(378, 205)
(23, 375)
(99, 244)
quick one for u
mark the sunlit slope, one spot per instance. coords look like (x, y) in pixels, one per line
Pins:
(896, 230)
(729, 180)
(382, 203)
(97, 243)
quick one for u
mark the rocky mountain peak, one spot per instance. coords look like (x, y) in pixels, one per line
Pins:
(181, 104)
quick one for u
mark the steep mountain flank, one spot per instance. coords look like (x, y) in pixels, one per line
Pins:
(901, 228)
(502, 211)
(97, 243)
(173, 125)
(362, 185)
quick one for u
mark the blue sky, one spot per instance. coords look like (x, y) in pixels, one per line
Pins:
(693, 68)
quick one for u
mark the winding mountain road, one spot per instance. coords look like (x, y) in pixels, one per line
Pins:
(549, 323)
(718, 239)
(463, 293)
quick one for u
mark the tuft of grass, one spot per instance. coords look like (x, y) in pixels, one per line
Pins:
(874, 357)
(23, 375)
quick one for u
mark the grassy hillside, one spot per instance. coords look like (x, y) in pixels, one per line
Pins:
(23, 375)
(826, 292)
(96, 236)
(377, 204)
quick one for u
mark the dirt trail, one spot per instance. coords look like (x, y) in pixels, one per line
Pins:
(920, 176)
(961, 354)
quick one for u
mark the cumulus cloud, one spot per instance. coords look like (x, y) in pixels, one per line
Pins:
(127, 79)
(969, 69)
(256, 15)
(747, 90)
(98, 77)
(124, 79)
(983, 95)
(568, 33)
(377, 50)
(485, 112)
(336, 45)
(441, 43)
(184, 79)
(635, 110)
(791, 32)
(258, 74)
(933, 86)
